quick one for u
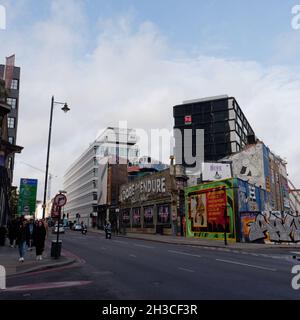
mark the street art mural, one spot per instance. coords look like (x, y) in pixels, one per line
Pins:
(210, 209)
(270, 226)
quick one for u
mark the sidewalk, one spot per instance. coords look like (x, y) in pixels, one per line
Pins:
(9, 258)
(203, 242)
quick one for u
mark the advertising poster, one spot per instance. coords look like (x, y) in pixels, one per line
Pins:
(208, 206)
(126, 218)
(148, 216)
(163, 214)
(136, 217)
(27, 197)
(198, 211)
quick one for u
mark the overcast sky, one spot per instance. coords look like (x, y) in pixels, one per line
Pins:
(133, 60)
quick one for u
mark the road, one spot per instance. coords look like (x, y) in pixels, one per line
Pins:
(129, 269)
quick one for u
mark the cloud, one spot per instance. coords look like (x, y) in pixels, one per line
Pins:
(131, 73)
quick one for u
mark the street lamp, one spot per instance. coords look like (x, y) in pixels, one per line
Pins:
(65, 109)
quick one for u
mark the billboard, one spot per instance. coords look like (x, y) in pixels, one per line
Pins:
(215, 171)
(209, 208)
(27, 197)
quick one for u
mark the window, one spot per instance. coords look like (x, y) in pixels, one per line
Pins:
(11, 123)
(9, 164)
(11, 140)
(12, 102)
(15, 84)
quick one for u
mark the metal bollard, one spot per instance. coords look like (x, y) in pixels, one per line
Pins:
(2, 278)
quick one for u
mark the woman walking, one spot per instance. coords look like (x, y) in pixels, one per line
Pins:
(39, 239)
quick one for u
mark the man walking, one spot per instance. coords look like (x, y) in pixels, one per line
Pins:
(21, 240)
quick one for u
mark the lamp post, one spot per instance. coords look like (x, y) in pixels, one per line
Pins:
(65, 108)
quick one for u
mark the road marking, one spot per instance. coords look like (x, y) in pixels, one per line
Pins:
(246, 265)
(48, 285)
(132, 255)
(143, 246)
(185, 269)
(185, 253)
(295, 252)
(118, 241)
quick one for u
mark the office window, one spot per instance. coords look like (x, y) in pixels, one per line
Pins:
(11, 140)
(14, 84)
(11, 123)
(12, 102)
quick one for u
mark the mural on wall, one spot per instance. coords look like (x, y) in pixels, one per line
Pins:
(207, 207)
(272, 226)
(249, 165)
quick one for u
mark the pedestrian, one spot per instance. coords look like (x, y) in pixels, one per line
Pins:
(12, 232)
(39, 239)
(107, 229)
(29, 234)
(45, 223)
(21, 239)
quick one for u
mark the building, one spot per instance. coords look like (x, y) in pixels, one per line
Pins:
(82, 181)
(258, 165)
(12, 99)
(111, 176)
(154, 203)
(226, 129)
(9, 89)
(144, 166)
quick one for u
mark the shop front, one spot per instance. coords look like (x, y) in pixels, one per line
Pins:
(150, 204)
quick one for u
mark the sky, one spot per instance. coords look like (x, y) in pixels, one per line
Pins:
(135, 59)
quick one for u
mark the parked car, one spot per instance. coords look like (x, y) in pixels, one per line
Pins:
(77, 227)
(61, 229)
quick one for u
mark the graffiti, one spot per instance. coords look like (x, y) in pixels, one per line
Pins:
(273, 226)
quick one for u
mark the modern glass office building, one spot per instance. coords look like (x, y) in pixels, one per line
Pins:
(226, 129)
(82, 181)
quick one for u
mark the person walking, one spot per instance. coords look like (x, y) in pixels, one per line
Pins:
(107, 229)
(12, 232)
(21, 239)
(29, 234)
(39, 237)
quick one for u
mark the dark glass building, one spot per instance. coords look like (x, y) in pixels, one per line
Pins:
(226, 129)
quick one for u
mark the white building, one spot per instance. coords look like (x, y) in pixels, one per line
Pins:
(82, 181)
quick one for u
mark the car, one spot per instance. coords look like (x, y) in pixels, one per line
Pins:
(77, 227)
(61, 229)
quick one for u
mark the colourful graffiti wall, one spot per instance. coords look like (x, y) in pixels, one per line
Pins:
(266, 227)
(208, 206)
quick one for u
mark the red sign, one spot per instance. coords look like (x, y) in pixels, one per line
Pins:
(216, 203)
(60, 200)
(188, 120)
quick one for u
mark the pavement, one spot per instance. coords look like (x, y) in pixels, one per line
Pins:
(9, 258)
(204, 242)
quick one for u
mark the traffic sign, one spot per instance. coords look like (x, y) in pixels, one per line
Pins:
(60, 200)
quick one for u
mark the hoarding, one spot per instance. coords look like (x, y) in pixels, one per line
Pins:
(209, 208)
(27, 197)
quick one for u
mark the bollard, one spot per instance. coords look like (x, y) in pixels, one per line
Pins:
(2, 278)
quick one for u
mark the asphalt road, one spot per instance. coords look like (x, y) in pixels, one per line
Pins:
(129, 269)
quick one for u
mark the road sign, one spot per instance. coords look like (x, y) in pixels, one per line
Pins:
(27, 197)
(60, 200)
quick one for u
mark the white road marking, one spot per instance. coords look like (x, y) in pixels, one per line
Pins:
(143, 246)
(185, 269)
(118, 241)
(246, 265)
(185, 253)
(295, 252)
(132, 255)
